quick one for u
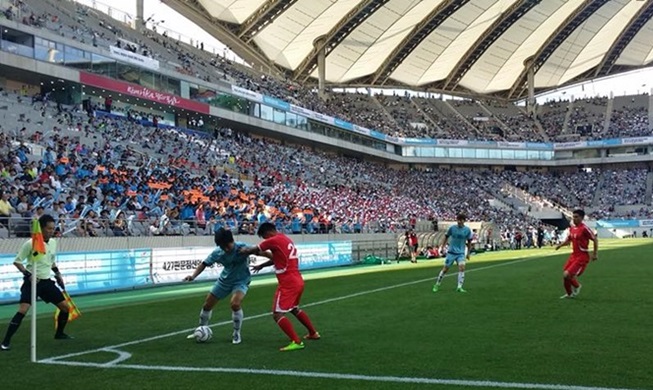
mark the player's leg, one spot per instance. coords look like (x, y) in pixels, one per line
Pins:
(566, 278)
(50, 293)
(577, 271)
(217, 293)
(283, 303)
(14, 324)
(237, 313)
(461, 274)
(23, 308)
(304, 318)
(449, 259)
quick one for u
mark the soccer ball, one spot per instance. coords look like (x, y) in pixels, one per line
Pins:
(203, 334)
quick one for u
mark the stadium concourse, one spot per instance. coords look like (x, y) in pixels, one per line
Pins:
(103, 174)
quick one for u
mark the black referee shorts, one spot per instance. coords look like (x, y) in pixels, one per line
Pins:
(45, 289)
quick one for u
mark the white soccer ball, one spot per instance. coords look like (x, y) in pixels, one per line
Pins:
(203, 334)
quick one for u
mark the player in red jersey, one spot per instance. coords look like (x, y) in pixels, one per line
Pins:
(579, 236)
(291, 284)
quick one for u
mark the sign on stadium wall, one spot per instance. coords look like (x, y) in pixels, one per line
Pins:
(133, 58)
(104, 271)
(142, 92)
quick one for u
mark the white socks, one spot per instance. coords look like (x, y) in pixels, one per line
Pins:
(205, 316)
(237, 317)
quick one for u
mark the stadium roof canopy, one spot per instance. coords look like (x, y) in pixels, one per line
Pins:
(455, 46)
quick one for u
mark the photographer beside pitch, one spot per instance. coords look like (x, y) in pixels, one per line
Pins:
(45, 287)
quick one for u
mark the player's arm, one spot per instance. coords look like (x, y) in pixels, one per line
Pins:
(57, 276)
(213, 258)
(198, 270)
(446, 238)
(595, 245)
(565, 242)
(251, 250)
(23, 254)
(470, 246)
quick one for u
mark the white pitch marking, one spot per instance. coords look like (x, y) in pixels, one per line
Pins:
(369, 378)
(354, 295)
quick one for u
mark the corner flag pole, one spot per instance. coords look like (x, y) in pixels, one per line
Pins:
(33, 323)
(38, 251)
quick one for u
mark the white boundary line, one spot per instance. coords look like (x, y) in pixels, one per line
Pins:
(328, 375)
(123, 356)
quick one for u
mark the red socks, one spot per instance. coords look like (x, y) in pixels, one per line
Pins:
(567, 286)
(303, 318)
(288, 329)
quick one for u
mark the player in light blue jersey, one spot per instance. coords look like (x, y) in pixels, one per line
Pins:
(459, 237)
(234, 279)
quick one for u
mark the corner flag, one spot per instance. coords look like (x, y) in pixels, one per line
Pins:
(73, 313)
(38, 244)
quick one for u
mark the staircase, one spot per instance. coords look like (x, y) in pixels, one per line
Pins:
(504, 127)
(570, 109)
(427, 117)
(599, 185)
(539, 126)
(649, 189)
(383, 109)
(528, 204)
(460, 116)
(608, 114)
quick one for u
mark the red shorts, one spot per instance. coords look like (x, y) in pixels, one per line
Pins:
(576, 264)
(287, 297)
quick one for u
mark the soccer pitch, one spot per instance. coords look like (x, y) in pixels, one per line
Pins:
(381, 327)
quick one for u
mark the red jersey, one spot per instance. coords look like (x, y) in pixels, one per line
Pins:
(580, 237)
(285, 258)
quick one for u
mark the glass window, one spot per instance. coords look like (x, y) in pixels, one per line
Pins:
(147, 78)
(494, 153)
(440, 152)
(76, 57)
(533, 154)
(17, 42)
(255, 110)
(279, 117)
(409, 151)
(455, 152)
(266, 112)
(302, 122)
(508, 154)
(49, 51)
(520, 154)
(469, 153)
(482, 153)
(291, 119)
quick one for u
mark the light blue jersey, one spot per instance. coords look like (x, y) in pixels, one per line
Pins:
(458, 237)
(235, 276)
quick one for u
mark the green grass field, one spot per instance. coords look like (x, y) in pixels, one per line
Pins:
(381, 326)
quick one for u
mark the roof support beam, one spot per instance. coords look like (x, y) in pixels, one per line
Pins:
(340, 31)
(419, 32)
(627, 34)
(509, 17)
(195, 12)
(556, 38)
(264, 15)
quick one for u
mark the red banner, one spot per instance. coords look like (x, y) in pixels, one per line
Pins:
(142, 92)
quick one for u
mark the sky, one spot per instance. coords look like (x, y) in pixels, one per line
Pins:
(631, 83)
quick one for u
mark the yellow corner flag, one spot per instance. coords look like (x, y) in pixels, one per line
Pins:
(38, 244)
(73, 313)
